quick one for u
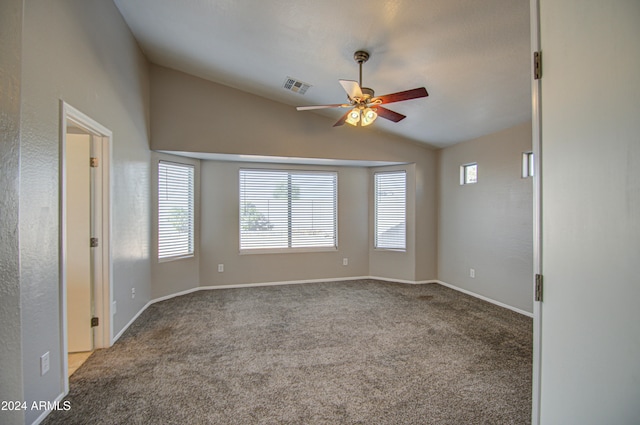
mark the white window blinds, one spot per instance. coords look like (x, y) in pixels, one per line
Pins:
(287, 209)
(175, 210)
(390, 210)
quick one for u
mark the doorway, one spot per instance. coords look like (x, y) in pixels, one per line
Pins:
(85, 263)
(80, 222)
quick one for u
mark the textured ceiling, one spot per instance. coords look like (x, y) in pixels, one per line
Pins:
(472, 56)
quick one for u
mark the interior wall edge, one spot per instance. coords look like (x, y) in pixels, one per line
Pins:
(11, 351)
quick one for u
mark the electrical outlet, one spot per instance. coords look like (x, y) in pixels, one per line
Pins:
(220, 268)
(345, 261)
(133, 293)
(44, 363)
(472, 273)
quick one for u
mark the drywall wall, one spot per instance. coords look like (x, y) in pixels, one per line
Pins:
(10, 330)
(170, 277)
(488, 226)
(83, 53)
(392, 264)
(219, 243)
(590, 373)
(195, 115)
(191, 114)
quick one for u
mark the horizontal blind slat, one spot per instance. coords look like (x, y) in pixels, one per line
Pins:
(287, 209)
(390, 210)
(175, 209)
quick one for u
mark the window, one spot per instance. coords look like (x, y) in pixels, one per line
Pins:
(469, 173)
(290, 210)
(175, 210)
(390, 210)
(527, 164)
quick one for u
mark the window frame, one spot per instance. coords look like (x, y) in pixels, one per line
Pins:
(290, 230)
(464, 173)
(190, 252)
(376, 218)
(528, 164)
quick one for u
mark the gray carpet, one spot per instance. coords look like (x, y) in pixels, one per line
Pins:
(357, 352)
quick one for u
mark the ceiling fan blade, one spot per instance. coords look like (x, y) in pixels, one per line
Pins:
(342, 120)
(352, 88)
(308, 108)
(389, 114)
(403, 95)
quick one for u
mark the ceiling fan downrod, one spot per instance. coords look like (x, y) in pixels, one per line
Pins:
(361, 57)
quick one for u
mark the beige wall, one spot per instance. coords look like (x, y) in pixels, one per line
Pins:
(392, 264)
(191, 114)
(170, 277)
(488, 226)
(83, 53)
(220, 232)
(590, 212)
(11, 387)
(195, 115)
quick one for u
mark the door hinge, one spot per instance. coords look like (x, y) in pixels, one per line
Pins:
(538, 295)
(93, 162)
(537, 65)
(95, 322)
(93, 242)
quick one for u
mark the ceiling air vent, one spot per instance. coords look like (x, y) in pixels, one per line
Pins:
(296, 86)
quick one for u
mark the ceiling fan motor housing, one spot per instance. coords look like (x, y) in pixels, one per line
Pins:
(361, 56)
(367, 92)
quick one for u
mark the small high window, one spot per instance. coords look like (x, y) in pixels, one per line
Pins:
(469, 173)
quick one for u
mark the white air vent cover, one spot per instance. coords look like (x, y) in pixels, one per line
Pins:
(296, 86)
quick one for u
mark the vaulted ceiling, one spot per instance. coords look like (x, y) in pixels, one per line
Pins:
(472, 56)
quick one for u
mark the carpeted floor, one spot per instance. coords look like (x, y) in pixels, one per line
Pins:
(357, 352)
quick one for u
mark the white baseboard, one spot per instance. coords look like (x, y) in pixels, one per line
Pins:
(45, 413)
(286, 282)
(409, 282)
(176, 294)
(133, 319)
(239, 285)
(290, 282)
(482, 297)
(298, 282)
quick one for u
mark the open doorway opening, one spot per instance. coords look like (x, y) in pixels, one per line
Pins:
(80, 261)
(85, 263)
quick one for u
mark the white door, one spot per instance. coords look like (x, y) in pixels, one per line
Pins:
(78, 235)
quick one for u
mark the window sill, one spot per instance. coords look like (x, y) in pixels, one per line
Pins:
(287, 250)
(390, 249)
(176, 258)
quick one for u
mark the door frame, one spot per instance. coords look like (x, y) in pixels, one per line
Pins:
(101, 139)
(536, 141)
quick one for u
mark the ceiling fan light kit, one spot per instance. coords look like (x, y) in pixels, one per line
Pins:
(353, 117)
(368, 116)
(365, 107)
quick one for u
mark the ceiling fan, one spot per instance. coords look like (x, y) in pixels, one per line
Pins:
(365, 107)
